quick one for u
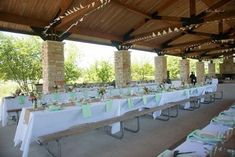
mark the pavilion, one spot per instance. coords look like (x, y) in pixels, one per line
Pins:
(190, 29)
(202, 30)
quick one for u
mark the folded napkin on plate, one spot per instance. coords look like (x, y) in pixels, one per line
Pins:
(53, 108)
(225, 120)
(228, 113)
(204, 136)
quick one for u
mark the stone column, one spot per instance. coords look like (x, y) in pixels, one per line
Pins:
(160, 68)
(53, 65)
(184, 70)
(122, 68)
(200, 72)
(211, 69)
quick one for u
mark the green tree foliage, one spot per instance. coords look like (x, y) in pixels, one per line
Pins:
(142, 72)
(101, 71)
(72, 72)
(20, 60)
(173, 67)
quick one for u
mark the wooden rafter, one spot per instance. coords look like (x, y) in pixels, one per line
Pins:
(192, 8)
(150, 33)
(146, 16)
(220, 25)
(201, 33)
(196, 52)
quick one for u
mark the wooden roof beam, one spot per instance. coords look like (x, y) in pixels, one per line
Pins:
(142, 37)
(209, 50)
(192, 8)
(147, 17)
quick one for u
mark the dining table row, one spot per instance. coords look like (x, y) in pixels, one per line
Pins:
(210, 140)
(65, 110)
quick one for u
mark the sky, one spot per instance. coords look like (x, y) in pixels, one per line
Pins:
(90, 53)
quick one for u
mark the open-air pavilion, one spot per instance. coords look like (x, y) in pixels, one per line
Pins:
(196, 29)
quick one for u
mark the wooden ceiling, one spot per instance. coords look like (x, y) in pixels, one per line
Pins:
(202, 29)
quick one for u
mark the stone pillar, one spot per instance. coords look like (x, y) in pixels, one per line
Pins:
(160, 68)
(184, 70)
(211, 69)
(122, 68)
(200, 72)
(53, 65)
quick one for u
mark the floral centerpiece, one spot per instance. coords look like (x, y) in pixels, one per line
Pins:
(146, 90)
(33, 98)
(101, 91)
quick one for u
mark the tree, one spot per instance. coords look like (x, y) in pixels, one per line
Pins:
(72, 72)
(142, 71)
(20, 60)
(173, 67)
(104, 71)
(101, 71)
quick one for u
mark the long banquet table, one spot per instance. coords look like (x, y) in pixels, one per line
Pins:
(45, 122)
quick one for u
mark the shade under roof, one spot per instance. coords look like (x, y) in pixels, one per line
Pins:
(202, 29)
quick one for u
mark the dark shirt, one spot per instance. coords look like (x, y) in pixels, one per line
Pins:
(193, 78)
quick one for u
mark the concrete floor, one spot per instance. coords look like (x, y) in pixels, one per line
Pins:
(154, 137)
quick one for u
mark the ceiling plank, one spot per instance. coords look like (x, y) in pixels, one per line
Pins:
(192, 8)
(93, 33)
(131, 9)
(7, 17)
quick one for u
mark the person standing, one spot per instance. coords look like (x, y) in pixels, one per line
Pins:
(193, 78)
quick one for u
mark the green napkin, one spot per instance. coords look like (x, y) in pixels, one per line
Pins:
(223, 120)
(85, 93)
(21, 99)
(55, 96)
(157, 98)
(197, 135)
(110, 92)
(129, 90)
(184, 93)
(130, 103)
(108, 105)
(86, 111)
(72, 96)
(144, 100)
(53, 108)
(120, 91)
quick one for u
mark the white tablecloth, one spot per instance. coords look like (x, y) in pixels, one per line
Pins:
(200, 148)
(11, 104)
(46, 122)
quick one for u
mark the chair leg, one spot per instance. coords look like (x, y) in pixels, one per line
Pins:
(176, 112)
(164, 117)
(45, 145)
(117, 136)
(220, 97)
(187, 109)
(137, 127)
